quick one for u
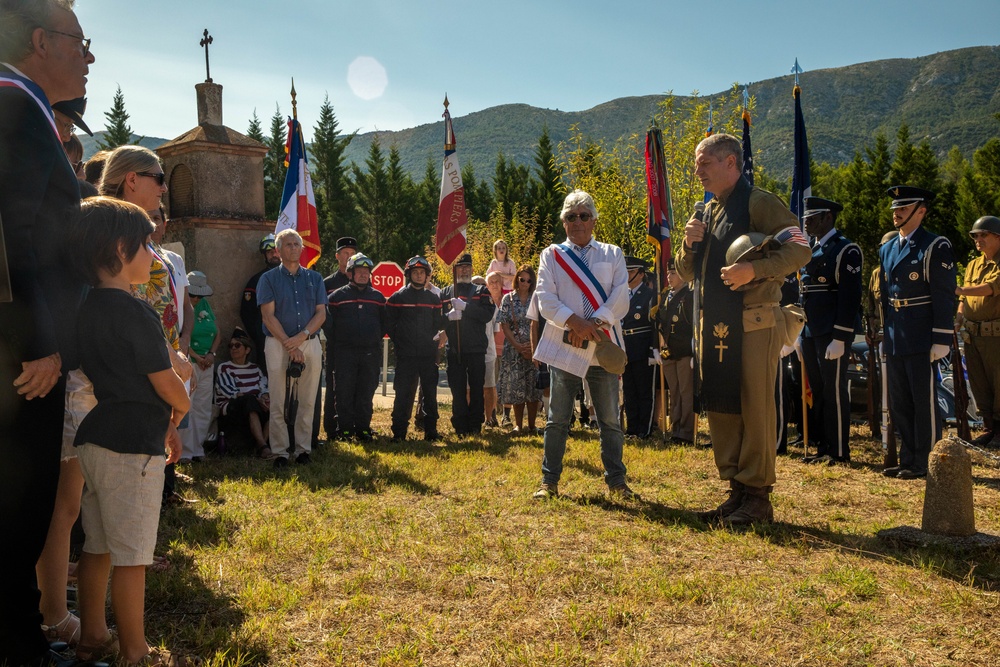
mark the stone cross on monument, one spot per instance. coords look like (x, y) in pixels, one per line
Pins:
(205, 41)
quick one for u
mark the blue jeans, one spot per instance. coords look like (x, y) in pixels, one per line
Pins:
(604, 390)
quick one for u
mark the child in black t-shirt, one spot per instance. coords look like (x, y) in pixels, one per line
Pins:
(121, 443)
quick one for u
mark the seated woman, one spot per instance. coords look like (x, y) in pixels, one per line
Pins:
(241, 394)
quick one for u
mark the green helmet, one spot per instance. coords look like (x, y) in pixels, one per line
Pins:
(987, 223)
(267, 243)
(748, 248)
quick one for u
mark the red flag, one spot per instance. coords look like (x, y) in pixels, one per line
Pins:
(298, 203)
(451, 207)
(660, 215)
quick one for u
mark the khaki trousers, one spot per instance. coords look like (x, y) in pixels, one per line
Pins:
(982, 359)
(744, 444)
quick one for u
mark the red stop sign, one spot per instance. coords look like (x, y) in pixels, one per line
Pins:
(387, 278)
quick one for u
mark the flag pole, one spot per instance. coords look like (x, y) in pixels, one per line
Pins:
(798, 195)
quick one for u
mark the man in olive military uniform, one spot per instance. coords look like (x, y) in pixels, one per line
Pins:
(640, 341)
(979, 310)
(917, 286)
(831, 297)
(742, 325)
(674, 318)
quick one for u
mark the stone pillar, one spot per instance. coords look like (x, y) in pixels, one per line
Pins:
(209, 103)
(948, 508)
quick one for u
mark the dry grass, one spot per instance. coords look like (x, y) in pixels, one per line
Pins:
(422, 554)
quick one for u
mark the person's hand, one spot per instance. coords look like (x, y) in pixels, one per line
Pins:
(939, 352)
(581, 330)
(798, 348)
(292, 342)
(787, 350)
(737, 275)
(694, 232)
(38, 376)
(204, 362)
(458, 304)
(959, 321)
(265, 401)
(655, 358)
(454, 315)
(835, 350)
(297, 355)
(172, 444)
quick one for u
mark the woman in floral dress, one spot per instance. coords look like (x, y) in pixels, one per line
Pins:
(517, 369)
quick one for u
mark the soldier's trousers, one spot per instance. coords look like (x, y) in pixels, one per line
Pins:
(831, 400)
(914, 407)
(637, 394)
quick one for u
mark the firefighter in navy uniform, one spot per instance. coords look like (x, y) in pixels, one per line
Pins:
(640, 343)
(347, 246)
(358, 313)
(917, 284)
(413, 316)
(831, 297)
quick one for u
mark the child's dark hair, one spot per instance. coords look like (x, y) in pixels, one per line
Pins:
(105, 224)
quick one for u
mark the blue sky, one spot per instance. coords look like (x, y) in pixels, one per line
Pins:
(387, 64)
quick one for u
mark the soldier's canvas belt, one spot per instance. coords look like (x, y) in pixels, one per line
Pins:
(987, 328)
(806, 289)
(637, 330)
(907, 303)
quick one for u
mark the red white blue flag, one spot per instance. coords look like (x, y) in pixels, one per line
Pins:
(298, 203)
(452, 218)
(659, 211)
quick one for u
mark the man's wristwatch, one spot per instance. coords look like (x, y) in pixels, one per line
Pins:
(305, 330)
(599, 322)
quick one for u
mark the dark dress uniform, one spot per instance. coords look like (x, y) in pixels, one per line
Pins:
(252, 321)
(414, 318)
(358, 326)
(831, 297)
(637, 380)
(917, 284)
(467, 354)
(330, 424)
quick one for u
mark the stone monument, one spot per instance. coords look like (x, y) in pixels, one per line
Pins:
(948, 499)
(215, 201)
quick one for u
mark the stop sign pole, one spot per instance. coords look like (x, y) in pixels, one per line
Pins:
(387, 278)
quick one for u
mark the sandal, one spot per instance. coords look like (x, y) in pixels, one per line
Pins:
(106, 649)
(159, 564)
(265, 454)
(66, 630)
(159, 657)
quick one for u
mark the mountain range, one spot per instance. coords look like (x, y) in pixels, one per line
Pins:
(951, 98)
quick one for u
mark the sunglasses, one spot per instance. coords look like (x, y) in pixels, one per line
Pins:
(235, 345)
(159, 177)
(584, 217)
(524, 280)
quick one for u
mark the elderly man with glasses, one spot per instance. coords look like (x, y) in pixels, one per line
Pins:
(44, 59)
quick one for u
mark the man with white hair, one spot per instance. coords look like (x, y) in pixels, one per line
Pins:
(292, 303)
(44, 59)
(582, 292)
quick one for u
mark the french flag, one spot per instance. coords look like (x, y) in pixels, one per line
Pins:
(450, 242)
(298, 203)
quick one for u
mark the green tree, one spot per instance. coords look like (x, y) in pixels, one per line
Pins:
(478, 196)
(545, 188)
(335, 206)
(116, 130)
(510, 185)
(372, 202)
(255, 131)
(423, 223)
(402, 243)
(274, 165)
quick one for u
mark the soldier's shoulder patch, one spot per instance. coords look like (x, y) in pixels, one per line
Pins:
(247, 296)
(853, 269)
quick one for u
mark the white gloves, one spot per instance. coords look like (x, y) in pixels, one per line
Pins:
(835, 350)
(654, 358)
(786, 350)
(458, 304)
(939, 352)
(454, 315)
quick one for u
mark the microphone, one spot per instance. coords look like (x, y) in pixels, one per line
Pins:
(699, 215)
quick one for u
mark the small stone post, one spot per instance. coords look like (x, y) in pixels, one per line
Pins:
(948, 506)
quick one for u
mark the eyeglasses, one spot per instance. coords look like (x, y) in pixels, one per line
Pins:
(159, 177)
(235, 345)
(584, 217)
(84, 42)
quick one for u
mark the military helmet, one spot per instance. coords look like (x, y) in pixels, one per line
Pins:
(747, 248)
(416, 262)
(267, 243)
(987, 223)
(359, 259)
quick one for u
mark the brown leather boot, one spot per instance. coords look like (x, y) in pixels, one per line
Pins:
(756, 508)
(730, 505)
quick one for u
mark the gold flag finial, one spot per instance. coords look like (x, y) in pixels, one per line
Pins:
(295, 113)
(446, 101)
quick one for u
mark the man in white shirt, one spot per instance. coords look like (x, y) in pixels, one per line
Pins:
(583, 291)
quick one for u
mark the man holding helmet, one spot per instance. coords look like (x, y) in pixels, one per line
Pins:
(413, 316)
(742, 326)
(357, 311)
(979, 310)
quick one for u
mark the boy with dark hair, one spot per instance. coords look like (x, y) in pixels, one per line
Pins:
(121, 442)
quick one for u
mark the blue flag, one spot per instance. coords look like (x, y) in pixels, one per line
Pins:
(801, 178)
(747, 150)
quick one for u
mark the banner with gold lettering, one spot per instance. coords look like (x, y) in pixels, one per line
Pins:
(451, 206)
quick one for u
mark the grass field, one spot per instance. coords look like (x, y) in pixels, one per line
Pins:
(435, 554)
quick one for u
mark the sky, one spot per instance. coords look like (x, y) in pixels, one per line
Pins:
(387, 64)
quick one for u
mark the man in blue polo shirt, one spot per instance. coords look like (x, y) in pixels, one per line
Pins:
(292, 302)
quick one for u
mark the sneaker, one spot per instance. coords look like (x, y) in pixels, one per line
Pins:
(303, 459)
(546, 491)
(623, 492)
(280, 462)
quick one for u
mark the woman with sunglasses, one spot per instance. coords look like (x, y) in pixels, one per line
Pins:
(518, 374)
(241, 395)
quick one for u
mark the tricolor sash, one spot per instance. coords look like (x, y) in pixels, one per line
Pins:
(584, 278)
(14, 79)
